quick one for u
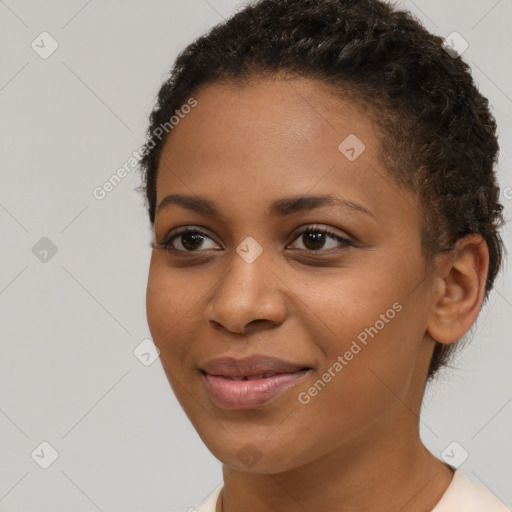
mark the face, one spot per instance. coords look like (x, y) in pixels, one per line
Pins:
(336, 286)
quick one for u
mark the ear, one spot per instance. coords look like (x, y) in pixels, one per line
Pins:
(459, 289)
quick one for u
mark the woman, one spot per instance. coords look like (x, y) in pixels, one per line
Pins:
(326, 229)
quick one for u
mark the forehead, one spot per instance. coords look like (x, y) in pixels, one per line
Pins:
(251, 144)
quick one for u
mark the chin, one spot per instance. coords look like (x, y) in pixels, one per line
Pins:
(250, 455)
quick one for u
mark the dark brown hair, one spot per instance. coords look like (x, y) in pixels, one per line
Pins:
(438, 135)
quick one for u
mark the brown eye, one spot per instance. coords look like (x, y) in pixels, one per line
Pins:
(190, 240)
(314, 239)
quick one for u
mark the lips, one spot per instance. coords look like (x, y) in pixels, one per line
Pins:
(252, 377)
(251, 367)
(249, 382)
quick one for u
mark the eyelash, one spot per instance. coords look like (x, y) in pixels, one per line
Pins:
(167, 243)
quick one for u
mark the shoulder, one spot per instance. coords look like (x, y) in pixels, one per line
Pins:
(210, 502)
(463, 495)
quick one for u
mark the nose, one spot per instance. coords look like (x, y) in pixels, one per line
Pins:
(248, 296)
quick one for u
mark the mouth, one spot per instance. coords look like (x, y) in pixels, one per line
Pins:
(250, 367)
(250, 391)
(254, 377)
(251, 381)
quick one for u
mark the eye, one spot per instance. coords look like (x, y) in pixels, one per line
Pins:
(314, 239)
(190, 240)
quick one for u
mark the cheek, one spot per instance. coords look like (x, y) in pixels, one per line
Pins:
(169, 298)
(356, 395)
(378, 361)
(160, 310)
(349, 307)
(167, 305)
(368, 334)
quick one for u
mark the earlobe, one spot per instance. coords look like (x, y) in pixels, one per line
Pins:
(460, 289)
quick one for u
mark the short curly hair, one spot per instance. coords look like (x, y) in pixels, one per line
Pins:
(438, 137)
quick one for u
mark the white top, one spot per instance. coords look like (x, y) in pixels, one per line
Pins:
(462, 495)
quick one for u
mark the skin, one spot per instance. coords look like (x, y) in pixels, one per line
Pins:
(355, 446)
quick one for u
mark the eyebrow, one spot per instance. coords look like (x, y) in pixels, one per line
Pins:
(278, 208)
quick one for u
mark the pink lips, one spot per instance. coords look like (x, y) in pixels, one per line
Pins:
(249, 382)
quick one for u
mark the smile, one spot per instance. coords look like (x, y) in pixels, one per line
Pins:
(250, 391)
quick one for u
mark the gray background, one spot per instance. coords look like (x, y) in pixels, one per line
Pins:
(70, 324)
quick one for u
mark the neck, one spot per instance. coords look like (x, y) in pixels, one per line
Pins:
(364, 478)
